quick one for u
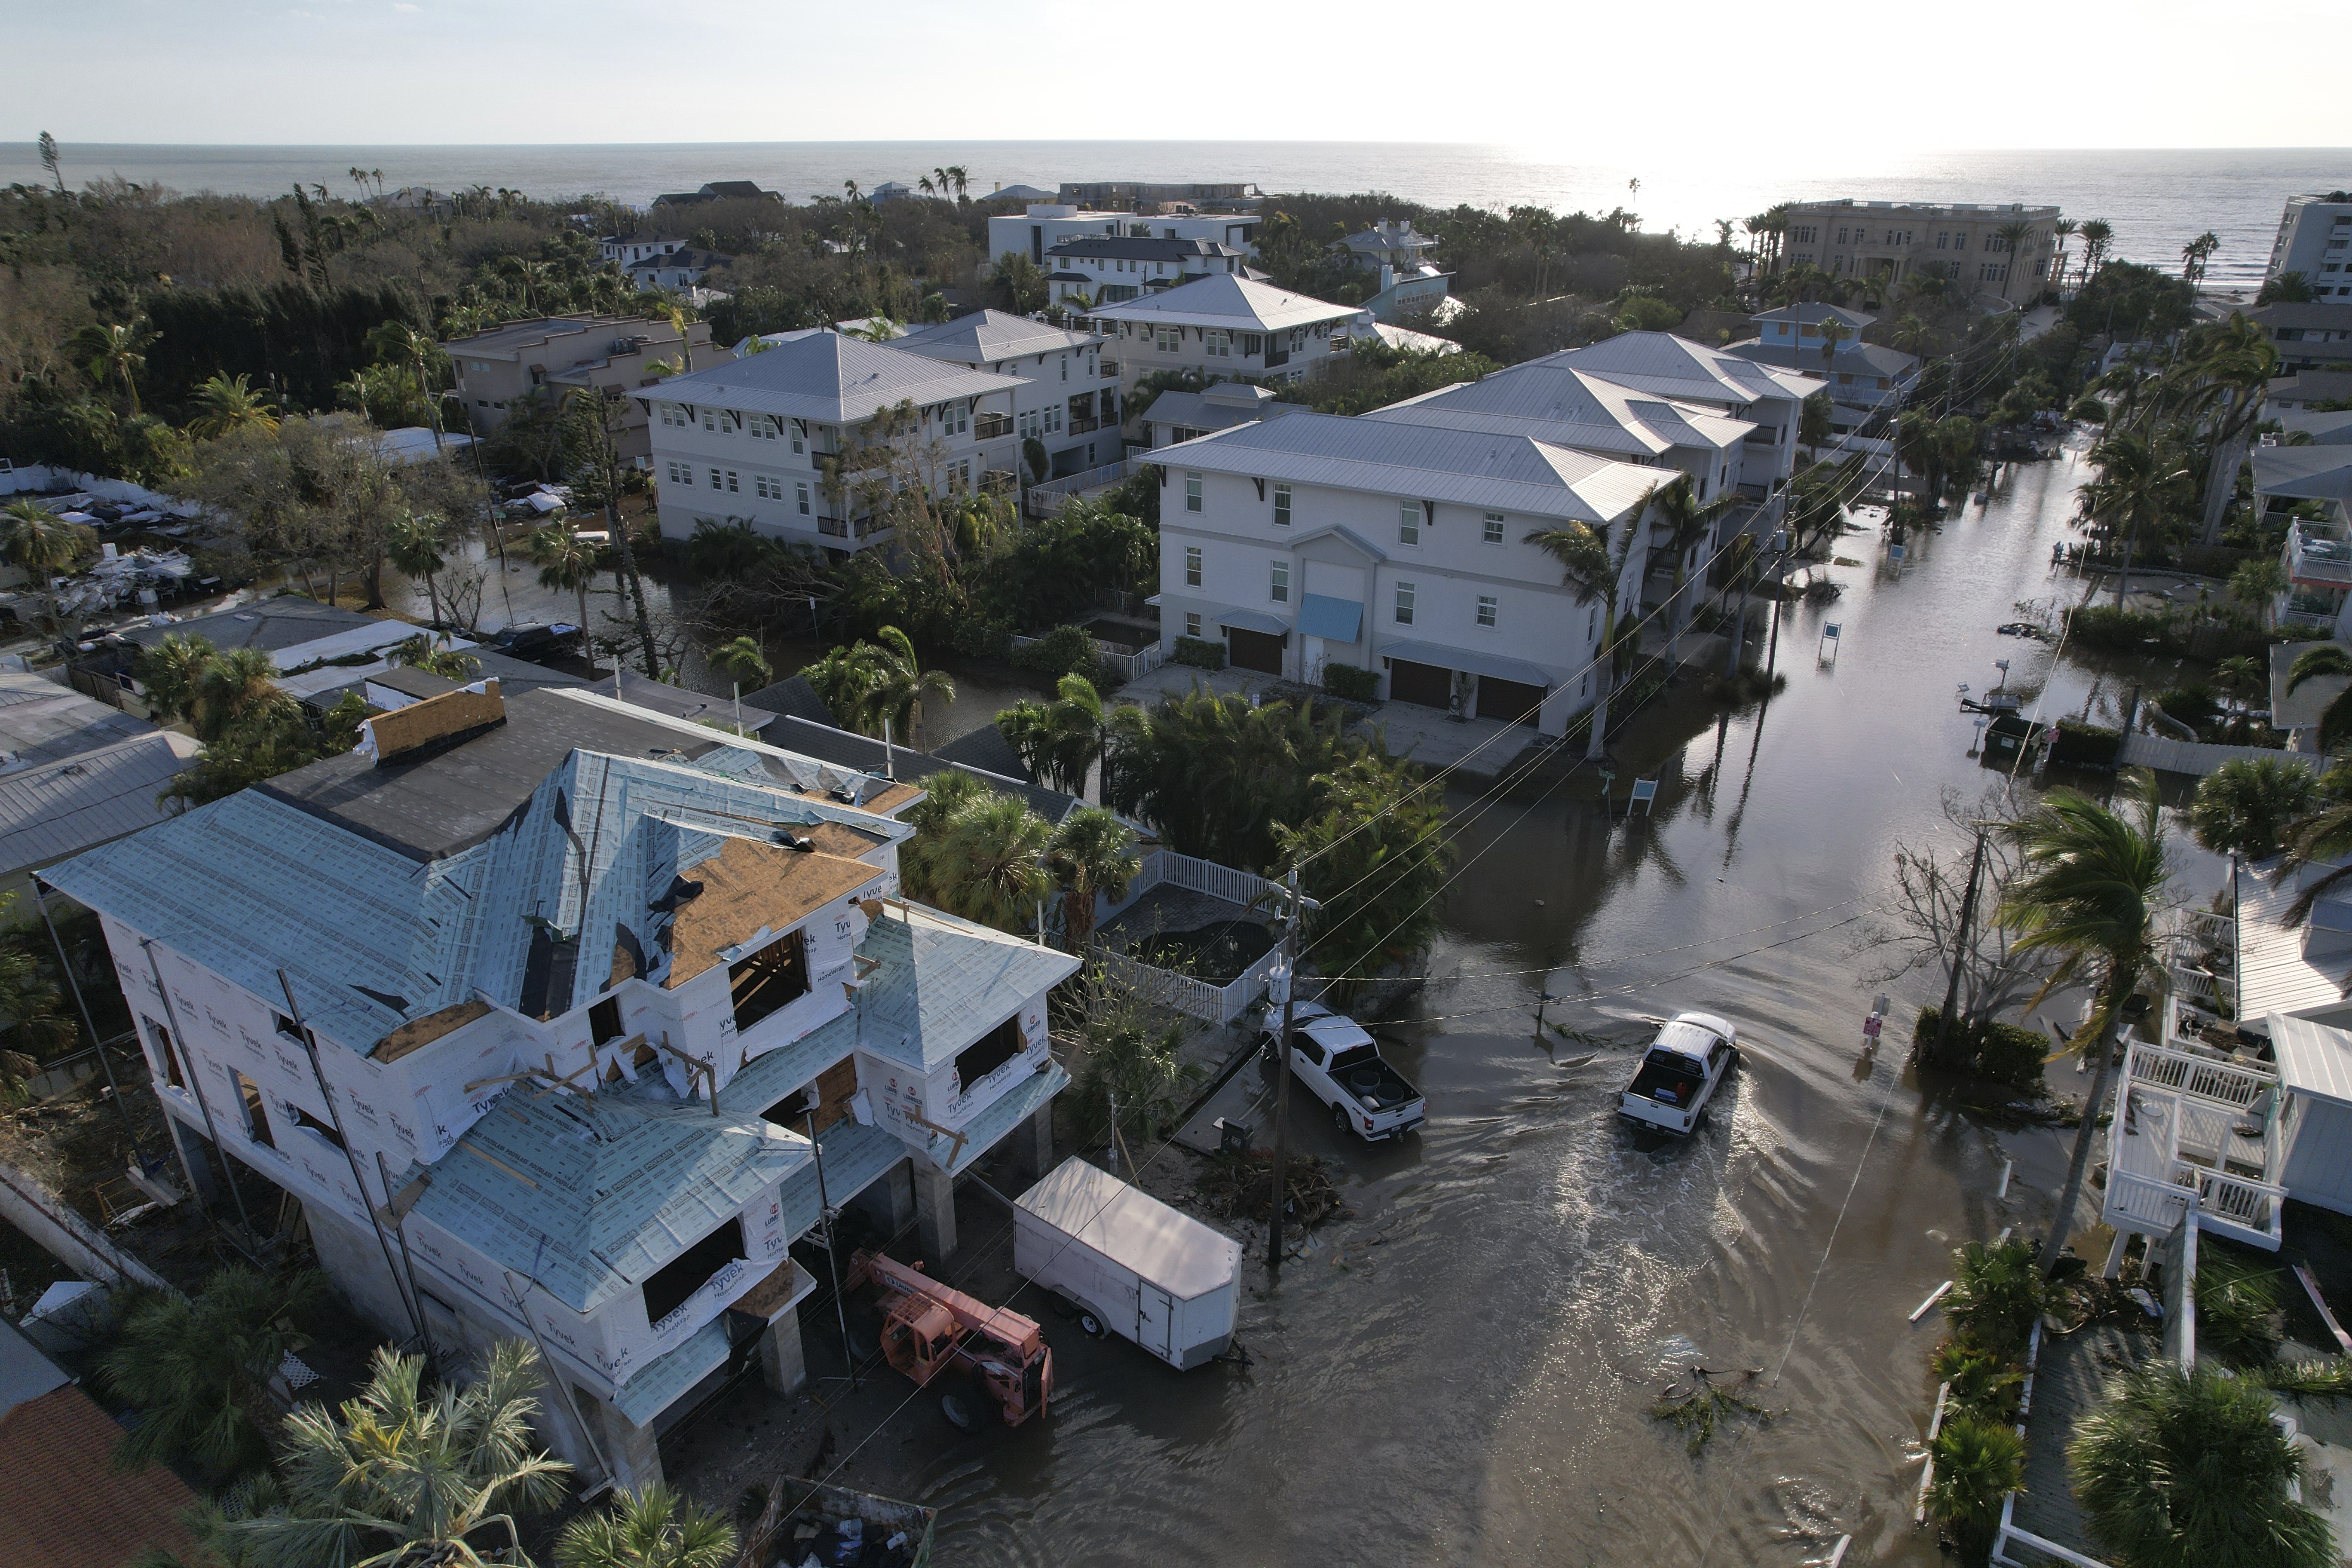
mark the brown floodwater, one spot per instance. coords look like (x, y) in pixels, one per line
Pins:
(1463, 1373)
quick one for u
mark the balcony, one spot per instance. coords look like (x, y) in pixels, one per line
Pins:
(2318, 557)
(2196, 1132)
(834, 526)
(1276, 357)
(989, 426)
(1085, 426)
(1109, 370)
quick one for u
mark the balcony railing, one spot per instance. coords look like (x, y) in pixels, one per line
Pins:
(1110, 369)
(1084, 427)
(989, 426)
(1276, 357)
(838, 528)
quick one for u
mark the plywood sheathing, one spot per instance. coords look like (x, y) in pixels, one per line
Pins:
(747, 886)
(418, 1032)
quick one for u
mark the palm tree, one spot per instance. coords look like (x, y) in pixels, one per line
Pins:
(565, 560)
(2189, 1469)
(2246, 804)
(225, 405)
(2097, 235)
(42, 545)
(2087, 890)
(2335, 719)
(653, 1527)
(868, 683)
(2061, 231)
(198, 1369)
(115, 352)
(985, 862)
(2224, 373)
(1091, 852)
(1018, 282)
(744, 661)
(434, 656)
(413, 544)
(1977, 1464)
(1687, 522)
(2195, 254)
(173, 673)
(1996, 1295)
(1592, 571)
(2133, 493)
(962, 178)
(399, 1478)
(1061, 740)
(239, 691)
(35, 1011)
(401, 340)
(2014, 238)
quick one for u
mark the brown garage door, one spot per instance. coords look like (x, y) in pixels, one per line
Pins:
(1513, 702)
(1424, 683)
(1261, 651)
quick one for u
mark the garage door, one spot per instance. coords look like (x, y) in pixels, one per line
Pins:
(1512, 702)
(1261, 651)
(1424, 683)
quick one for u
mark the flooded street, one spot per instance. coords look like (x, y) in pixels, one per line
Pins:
(1463, 1373)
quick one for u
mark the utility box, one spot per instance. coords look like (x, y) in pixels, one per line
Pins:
(1138, 1267)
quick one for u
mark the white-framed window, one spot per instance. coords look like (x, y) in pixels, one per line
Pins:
(1488, 606)
(671, 414)
(1591, 630)
(679, 474)
(1065, 375)
(1409, 523)
(1282, 506)
(1192, 623)
(803, 498)
(1191, 492)
(1404, 604)
(710, 419)
(1191, 566)
(1299, 340)
(718, 480)
(1218, 343)
(1277, 582)
(766, 489)
(798, 445)
(1053, 419)
(762, 428)
(955, 419)
(1494, 534)
(1025, 424)
(731, 484)
(1171, 339)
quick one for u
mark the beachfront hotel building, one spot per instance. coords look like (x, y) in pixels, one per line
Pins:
(1961, 240)
(2315, 238)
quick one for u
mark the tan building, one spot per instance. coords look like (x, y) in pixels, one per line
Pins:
(498, 369)
(1962, 240)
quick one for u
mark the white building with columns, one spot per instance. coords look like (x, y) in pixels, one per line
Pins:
(554, 1016)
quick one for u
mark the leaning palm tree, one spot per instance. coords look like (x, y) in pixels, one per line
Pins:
(413, 544)
(42, 545)
(653, 1527)
(744, 661)
(904, 686)
(115, 351)
(1091, 852)
(565, 561)
(2189, 1469)
(1060, 740)
(225, 404)
(1687, 522)
(401, 1477)
(1592, 571)
(2335, 719)
(2136, 488)
(2097, 235)
(2088, 890)
(198, 1368)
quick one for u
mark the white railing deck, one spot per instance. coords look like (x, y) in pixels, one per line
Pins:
(1199, 998)
(2225, 1081)
(2178, 1127)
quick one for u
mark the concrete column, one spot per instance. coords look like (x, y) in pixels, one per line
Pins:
(781, 1366)
(935, 1217)
(195, 1159)
(889, 1202)
(635, 1456)
(1033, 1145)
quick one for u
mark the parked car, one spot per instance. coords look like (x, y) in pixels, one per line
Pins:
(1341, 1065)
(1680, 1072)
(537, 641)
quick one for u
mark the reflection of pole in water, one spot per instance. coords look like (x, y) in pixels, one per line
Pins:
(1706, 781)
(1746, 780)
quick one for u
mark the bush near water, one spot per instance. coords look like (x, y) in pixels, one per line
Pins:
(2004, 1053)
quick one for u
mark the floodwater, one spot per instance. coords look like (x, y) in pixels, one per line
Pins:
(1463, 1372)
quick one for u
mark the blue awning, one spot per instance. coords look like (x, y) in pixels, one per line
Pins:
(1254, 621)
(1334, 620)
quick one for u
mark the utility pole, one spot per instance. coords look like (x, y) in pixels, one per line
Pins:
(1959, 950)
(1283, 987)
(826, 1212)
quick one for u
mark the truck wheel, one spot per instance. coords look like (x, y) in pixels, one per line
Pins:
(1340, 1121)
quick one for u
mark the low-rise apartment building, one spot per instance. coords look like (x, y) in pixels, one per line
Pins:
(1312, 539)
(1107, 268)
(1046, 224)
(680, 269)
(1963, 241)
(1227, 327)
(778, 439)
(1065, 389)
(2315, 238)
(2309, 336)
(1864, 380)
(556, 1017)
(610, 354)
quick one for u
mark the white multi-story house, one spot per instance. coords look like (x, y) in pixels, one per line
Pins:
(776, 438)
(1228, 328)
(624, 248)
(1066, 390)
(680, 269)
(1046, 224)
(1314, 540)
(2315, 238)
(1107, 269)
(1410, 282)
(535, 1007)
(1862, 379)
(1663, 365)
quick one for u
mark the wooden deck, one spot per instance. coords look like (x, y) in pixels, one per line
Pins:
(2070, 1383)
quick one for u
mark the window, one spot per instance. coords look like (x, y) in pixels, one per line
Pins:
(1191, 629)
(1282, 506)
(797, 444)
(1065, 375)
(1409, 523)
(1191, 566)
(769, 979)
(731, 485)
(761, 485)
(672, 415)
(1299, 340)
(674, 1283)
(803, 498)
(1493, 527)
(765, 429)
(1487, 606)
(988, 1053)
(256, 1114)
(167, 1053)
(710, 419)
(679, 474)
(1404, 604)
(604, 1020)
(1219, 343)
(1591, 623)
(1191, 492)
(955, 419)
(320, 1126)
(717, 481)
(286, 1029)
(1279, 581)
(1171, 339)
(1053, 413)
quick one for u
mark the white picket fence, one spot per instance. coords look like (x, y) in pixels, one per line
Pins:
(1198, 998)
(1119, 665)
(2198, 757)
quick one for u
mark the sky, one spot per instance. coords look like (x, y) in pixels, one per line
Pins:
(1693, 79)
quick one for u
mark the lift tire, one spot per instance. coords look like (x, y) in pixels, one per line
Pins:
(957, 1405)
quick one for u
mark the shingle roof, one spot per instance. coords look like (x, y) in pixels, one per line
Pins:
(791, 696)
(702, 709)
(1222, 299)
(986, 337)
(987, 750)
(943, 982)
(1670, 366)
(829, 378)
(1569, 408)
(1471, 467)
(62, 1503)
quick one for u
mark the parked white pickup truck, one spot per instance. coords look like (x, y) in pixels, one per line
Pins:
(1341, 1066)
(1680, 1073)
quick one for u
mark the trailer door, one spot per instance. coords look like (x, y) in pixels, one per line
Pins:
(1155, 1319)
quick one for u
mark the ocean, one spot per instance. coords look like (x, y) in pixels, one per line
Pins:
(2157, 201)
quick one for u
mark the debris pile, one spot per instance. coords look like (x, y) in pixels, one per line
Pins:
(1240, 1186)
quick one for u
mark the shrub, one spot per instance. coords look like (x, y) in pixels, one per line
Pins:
(1996, 1295)
(2195, 706)
(1350, 681)
(1200, 653)
(974, 635)
(1983, 1384)
(1977, 1464)
(1065, 650)
(2085, 745)
(2002, 1052)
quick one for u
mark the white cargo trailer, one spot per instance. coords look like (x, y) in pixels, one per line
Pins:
(1140, 1268)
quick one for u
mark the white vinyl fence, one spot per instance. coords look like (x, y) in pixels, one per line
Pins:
(2198, 757)
(1216, 1003)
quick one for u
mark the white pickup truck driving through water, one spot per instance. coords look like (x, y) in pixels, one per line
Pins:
(1341, 1066)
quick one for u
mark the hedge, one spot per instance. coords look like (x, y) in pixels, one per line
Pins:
(2003, 1052)
(1199, 652)
(1350, 681)
(2082, 745)
(1065, 650)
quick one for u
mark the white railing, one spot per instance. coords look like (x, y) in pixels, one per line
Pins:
(1117, 660)
(1196, 998)
(2235, 1206)
(1199, 998)
(1045, 499)
(2226, 1083)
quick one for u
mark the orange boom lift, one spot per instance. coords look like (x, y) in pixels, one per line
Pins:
(928, 1327)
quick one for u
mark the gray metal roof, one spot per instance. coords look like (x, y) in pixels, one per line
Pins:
(41, 721)
(1813, 313)
(513, 338)
(1197, 411)
(25, 1371)
(2273, 974)
(829, 378)
(2308, 473)
(1669, 367)
(943, 982)
(1877, 359)
(62, 807)
(286, 620)
(2312, 1059)
(1569, 408)
(989, 337)
(1470, 467)
(717, 712)
(2331, 428)
(812, 738)
(1223, 300)
(2312, 385)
